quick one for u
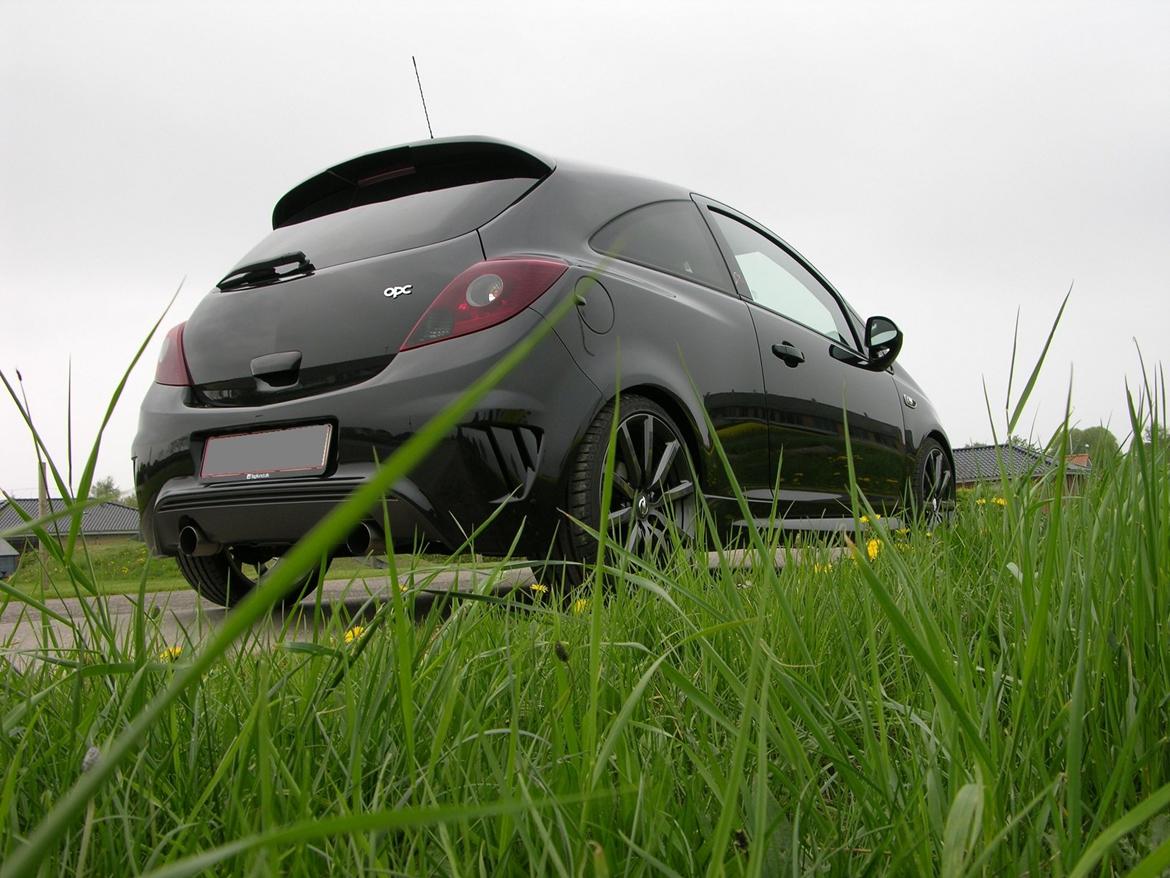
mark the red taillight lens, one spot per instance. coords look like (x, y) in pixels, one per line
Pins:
(172, 361)
(488, 293)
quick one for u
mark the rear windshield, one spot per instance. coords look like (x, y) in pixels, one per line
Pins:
(389, 226)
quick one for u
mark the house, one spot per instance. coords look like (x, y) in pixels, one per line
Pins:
(107, 520)
(9, 559)
(977, 464)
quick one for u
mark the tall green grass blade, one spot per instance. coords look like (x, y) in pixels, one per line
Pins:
(328, 533)
(1026, 393)
(964, 823)
(1158, 802)
(1155, 864)
(350, 824)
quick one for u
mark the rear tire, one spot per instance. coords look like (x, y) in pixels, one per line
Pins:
(223, 579)
(654, 489)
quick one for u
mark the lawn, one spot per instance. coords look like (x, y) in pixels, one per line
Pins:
(119, 565)
(986, 697)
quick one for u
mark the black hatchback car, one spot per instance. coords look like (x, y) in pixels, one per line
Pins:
(391, 281)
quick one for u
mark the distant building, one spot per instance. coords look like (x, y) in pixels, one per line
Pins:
(107, 520)
(9, 559)
(981, 463)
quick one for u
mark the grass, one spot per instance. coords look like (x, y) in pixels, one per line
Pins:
(120, 566)
(990, 698)
(983, 698)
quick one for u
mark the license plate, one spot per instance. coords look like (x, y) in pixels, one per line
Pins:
(268, 454)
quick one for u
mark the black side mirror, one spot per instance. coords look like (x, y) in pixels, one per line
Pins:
(883, 343)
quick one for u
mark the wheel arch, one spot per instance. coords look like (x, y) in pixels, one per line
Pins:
(940, 437)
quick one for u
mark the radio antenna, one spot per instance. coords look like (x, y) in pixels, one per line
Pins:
(430, 133)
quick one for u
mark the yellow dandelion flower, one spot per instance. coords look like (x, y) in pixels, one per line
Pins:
(353, 633)
(981, 501)
(999, 501)
(171, 653)
(872, 548)
(538, 588)
(865, 519)
(580, 605)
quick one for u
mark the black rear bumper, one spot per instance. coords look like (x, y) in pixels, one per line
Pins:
(279, 513)
(510, 452)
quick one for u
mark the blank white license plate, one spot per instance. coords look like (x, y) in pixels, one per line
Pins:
(268, 454)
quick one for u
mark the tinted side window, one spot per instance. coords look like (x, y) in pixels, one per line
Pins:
(778, 281)
(669, 236)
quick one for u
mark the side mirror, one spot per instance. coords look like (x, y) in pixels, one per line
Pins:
(883, 343)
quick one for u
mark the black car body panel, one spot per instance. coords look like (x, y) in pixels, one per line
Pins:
(375, 240)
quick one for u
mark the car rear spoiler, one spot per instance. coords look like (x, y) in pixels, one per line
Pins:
(406, 170)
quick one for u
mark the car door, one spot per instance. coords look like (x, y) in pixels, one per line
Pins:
(686, 328)
(812, 380)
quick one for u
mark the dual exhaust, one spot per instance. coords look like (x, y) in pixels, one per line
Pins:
(366, 539)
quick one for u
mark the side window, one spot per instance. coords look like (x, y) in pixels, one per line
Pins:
(778, 281)
(669, 236)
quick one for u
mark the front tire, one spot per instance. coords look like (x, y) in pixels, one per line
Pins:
(230, 575)
(654, 487)
(933, 483)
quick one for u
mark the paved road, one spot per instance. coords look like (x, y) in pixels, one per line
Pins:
(183, 617)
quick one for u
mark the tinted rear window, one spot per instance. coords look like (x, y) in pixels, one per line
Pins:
(389, 226)
(669, 236)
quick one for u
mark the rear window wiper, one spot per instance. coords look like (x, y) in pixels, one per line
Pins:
(267, 272)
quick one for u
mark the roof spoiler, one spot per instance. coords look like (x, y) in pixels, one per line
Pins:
(406, 170)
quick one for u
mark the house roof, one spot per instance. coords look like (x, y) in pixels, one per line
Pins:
(102, 519)
(979, 463)
(6, 550)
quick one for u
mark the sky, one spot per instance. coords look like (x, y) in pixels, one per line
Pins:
(948, 165)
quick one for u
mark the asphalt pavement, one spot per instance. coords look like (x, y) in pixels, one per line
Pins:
(182, 617)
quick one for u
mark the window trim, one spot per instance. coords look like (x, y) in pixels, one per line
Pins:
(728, 290)
(711, 206)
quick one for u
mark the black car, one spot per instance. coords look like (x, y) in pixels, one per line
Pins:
(391, 281)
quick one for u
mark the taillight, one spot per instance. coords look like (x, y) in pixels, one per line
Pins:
(488, 293)
(172, 361)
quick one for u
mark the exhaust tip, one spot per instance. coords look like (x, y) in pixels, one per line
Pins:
(366, 539)
(192, 541)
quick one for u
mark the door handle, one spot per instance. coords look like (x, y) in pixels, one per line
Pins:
(789, 353)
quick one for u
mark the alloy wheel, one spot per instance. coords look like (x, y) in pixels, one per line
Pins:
(938, 486)
(653, 485)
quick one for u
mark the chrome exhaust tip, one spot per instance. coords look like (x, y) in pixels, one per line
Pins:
(193, 542)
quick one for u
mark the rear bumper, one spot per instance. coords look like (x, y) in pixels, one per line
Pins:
(509, 452)
(275, 513)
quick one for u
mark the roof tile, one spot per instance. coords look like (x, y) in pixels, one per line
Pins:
(102, 519)
(981, 463)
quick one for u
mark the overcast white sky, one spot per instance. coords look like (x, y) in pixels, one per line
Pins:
(943, 164)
